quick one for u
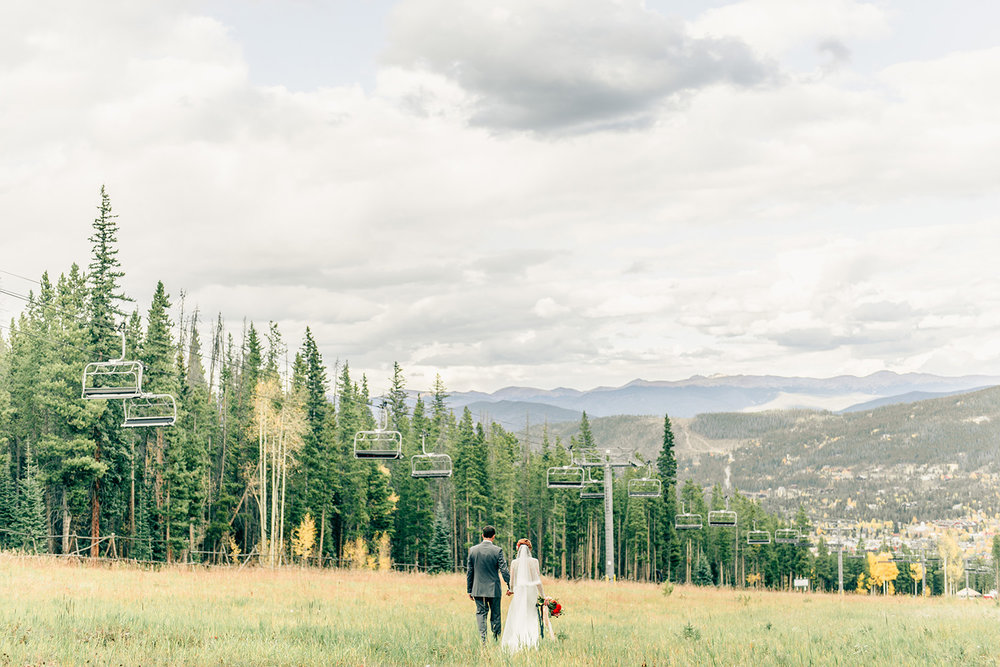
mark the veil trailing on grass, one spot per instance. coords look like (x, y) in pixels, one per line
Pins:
(521, 629)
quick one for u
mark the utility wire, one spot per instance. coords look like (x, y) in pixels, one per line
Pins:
(14, 294)
(17, 275)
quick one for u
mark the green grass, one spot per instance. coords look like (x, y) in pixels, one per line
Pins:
(78, 613)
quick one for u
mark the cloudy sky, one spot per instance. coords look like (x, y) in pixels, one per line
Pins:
(559, 193)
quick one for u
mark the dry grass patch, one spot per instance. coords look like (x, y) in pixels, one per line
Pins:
(56, 612)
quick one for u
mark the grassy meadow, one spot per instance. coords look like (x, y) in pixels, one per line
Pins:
(57, 612)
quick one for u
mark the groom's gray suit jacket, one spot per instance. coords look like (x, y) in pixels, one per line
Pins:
(485, 562)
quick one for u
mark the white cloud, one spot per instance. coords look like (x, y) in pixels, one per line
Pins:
(563, 66)
(547, 307)
(776, 26)
(813, 226)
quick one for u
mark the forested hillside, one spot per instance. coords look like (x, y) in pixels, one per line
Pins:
(932, 459)
(929, 460)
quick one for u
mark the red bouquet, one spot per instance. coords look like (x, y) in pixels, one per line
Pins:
(552, 604)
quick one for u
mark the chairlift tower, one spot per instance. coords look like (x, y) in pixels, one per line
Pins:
(838, 525)
(608, 460)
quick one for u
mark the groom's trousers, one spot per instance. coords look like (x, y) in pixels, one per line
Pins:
(491, 605)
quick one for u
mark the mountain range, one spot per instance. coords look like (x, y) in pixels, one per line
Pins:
(514, 407)
(926, 460)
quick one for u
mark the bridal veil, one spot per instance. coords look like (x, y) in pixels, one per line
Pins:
(521, 629)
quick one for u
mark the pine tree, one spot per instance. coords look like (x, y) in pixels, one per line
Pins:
(31, 510)
(471, 479)
(195, 367)
(666, 462)
(636, 534)
(165, 448)
(439, 553)
(105, 272)
(105, 310)
(381, 501)
(275, 350)
(703, 573)
(8, 503)
(47, 393)
(142, 548)
(439, 408)
(350, 513)
(586, 438)
(504, 458)
(666, 542)
(398, 410)
(314, 479)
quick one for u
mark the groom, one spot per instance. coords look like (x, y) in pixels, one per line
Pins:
(485, 562)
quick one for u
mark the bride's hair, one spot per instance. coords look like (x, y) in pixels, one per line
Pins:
(523, 540)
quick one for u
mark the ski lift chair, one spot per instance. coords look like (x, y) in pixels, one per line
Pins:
(150, 410)
(758, 536)
(644, 487)
(429, 465)
(116, 378)
(588, 458)
(592, 489)
(686, 520)
(380, 444)
(564, 477)
(722, 518)
(786, 536)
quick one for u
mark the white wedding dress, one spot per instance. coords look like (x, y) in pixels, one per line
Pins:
(521, 629)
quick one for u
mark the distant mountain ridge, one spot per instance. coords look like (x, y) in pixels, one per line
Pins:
(515, 406)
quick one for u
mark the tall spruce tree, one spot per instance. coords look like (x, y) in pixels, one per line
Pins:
(8, 503)
(314, 480)
(105, 311)
(166, 465)
(31, 510)
(350, 516)
(666, 542)
(439, 552)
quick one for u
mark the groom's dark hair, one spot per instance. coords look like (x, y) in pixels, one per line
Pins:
(489, 531)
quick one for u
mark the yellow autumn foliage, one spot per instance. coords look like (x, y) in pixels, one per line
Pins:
(882, 572)
(304, 538)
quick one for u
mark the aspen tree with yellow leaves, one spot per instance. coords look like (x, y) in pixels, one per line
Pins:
(304, 539)
(882, 572)
(951, 561)
(280, 422)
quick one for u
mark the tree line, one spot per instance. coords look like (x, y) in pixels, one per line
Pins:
(260, 463)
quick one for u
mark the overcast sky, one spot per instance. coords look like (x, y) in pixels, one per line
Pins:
(547, 193)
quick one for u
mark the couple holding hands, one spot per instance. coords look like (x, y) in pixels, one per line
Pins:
(485, 566)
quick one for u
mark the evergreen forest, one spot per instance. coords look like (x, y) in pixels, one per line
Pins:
(259, 465)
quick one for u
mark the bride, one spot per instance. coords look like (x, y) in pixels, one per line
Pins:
(522, 627)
